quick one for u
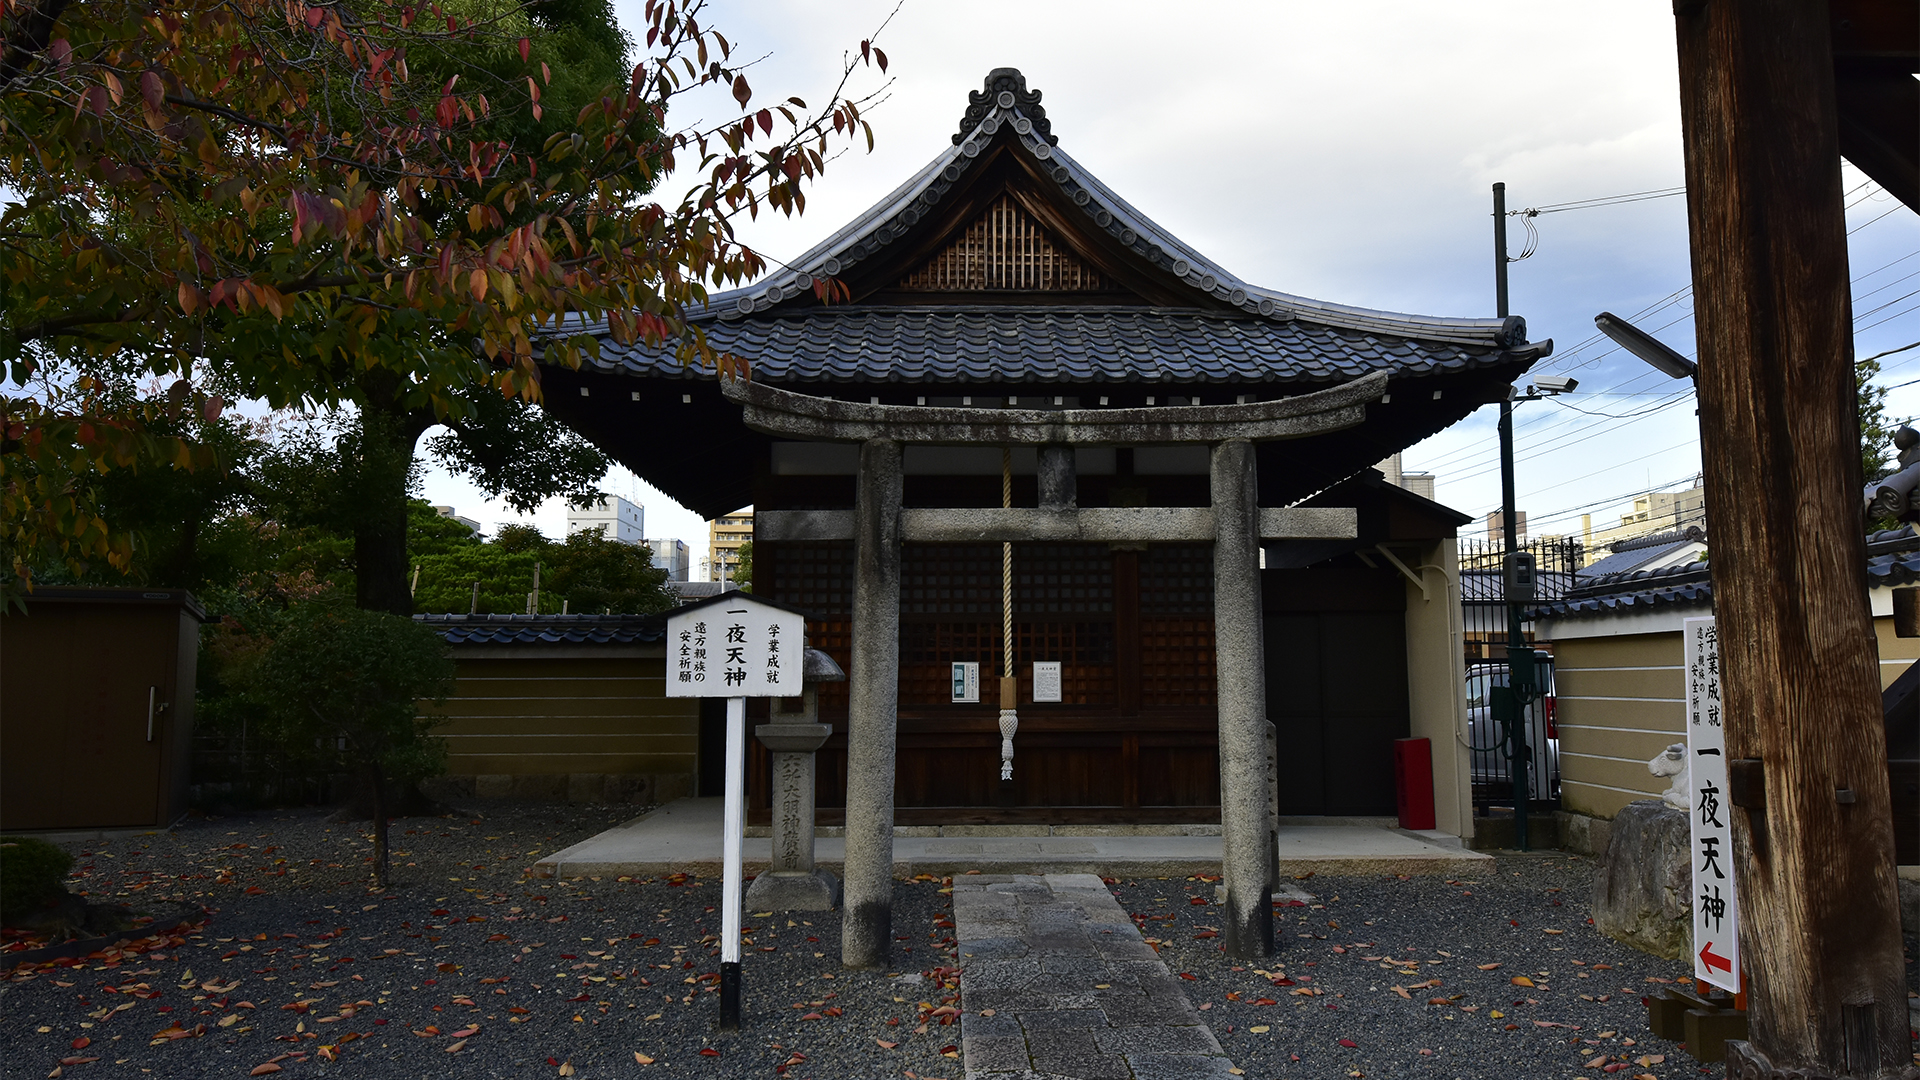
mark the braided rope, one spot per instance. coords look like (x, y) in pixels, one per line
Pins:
(1006, 567)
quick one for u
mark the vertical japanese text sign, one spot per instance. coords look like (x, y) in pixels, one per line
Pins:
(738, 647)
(1716, 923)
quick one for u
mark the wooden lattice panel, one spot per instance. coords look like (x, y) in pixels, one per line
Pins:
(817, 578)
(1005, 250)
(1176, 625)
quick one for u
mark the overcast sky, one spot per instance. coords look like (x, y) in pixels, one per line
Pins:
(1346, 153)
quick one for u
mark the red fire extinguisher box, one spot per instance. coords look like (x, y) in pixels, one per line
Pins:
(1413, 782)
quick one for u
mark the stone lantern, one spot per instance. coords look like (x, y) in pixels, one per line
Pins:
(792, 882)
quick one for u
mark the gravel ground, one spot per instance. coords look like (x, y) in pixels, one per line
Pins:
(464, 956)
(1423, 977)
(303, 967)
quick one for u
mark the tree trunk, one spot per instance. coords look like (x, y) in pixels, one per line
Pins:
(381, 455)
(1819, 914)
(377, 784)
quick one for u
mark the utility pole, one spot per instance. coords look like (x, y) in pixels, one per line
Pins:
(1812, 824)
(1510, 709)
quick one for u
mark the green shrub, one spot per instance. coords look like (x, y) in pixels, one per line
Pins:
(30, 874)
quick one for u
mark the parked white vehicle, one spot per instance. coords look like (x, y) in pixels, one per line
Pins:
(1489, 762)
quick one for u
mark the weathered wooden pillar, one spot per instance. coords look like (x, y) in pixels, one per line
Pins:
(873, 697)
(1240, 657)
(1820, 925)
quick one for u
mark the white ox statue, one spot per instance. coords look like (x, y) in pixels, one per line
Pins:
(1673, 762)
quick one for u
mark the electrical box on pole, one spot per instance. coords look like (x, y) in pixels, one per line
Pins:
(1520, 568)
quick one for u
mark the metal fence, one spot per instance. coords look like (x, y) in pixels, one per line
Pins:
(1483, 608)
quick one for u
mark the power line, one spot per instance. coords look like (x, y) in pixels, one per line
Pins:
(1604, 200)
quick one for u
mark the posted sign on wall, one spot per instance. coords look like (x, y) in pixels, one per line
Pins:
(743, 648)
(1716, 923)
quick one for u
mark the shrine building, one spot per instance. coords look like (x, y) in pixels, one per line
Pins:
(1179, 460)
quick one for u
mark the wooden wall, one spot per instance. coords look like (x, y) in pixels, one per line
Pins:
(537, 710)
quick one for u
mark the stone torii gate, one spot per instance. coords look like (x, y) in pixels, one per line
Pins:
(1235, 523)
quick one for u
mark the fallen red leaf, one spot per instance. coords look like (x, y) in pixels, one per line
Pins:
(262, 1070)
(708, 1051)
(1349, 1044)
(81, 1043)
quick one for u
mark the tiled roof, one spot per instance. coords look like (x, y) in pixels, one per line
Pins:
(1234, 329)
(547, 629)
(1893, 558)
(1014, 344)
(1631, 559)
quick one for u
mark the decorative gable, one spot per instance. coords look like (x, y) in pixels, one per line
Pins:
(1005, 250)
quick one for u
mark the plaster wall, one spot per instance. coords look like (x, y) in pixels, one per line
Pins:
(1436, 681)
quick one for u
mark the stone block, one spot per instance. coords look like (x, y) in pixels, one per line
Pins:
(994, 1054)
(1193, 1039)
(586, 787)
(1005, 947)
(1642, 895)
(818, 891)
(1181, 1067)
(1073, 1053)
(1042, 1021)
(453, 787)
(1582, 834)
(996, 974)
(493, 786)
(628, 789)
(670, 786)
(540, 787)
(999, 1025)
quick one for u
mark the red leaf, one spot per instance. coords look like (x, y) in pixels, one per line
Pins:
(766, 121)
(1189, 978)
(150, 89)
(742, 93)
(708, 1051)
(526, 48)
(81, 1043)
(1349, 1044)
(262, 1070)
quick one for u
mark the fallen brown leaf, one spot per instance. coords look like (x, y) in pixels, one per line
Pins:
(885, 1045)
(263, 1070)
(457, 1047)
(1522, 980)
(642, 1058)
(1488, 967)
(1402, 991)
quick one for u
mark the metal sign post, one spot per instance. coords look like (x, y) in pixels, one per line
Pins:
(734, 646)
(1716, 919)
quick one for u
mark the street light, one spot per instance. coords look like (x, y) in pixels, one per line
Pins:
(1645, 346)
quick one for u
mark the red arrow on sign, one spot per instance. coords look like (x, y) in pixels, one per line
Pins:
(1714, 960)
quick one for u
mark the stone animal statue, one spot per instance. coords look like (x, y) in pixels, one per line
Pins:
(1673, 762)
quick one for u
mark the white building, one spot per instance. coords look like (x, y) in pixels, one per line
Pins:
(448, 513)
(612, 517)
(673, 556)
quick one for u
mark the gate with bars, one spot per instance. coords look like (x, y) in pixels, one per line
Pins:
(1483, 609)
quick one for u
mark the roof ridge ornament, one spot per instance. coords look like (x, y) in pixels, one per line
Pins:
(1005, 88)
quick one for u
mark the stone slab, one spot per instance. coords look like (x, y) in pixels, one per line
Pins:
(1089, 1000)
(683, 836)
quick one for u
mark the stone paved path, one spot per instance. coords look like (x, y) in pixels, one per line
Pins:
(1072, 989)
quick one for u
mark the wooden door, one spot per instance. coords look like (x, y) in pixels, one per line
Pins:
(84, 728)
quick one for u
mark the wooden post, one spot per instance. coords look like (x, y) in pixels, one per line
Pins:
(1780, 445)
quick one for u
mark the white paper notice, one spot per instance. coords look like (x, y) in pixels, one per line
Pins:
(1716, 931)
(1046, 680)
(966, 680)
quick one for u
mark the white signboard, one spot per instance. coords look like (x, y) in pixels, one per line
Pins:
(1716, 923)
(966, 681)
(735, 647)
(1046, 680)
